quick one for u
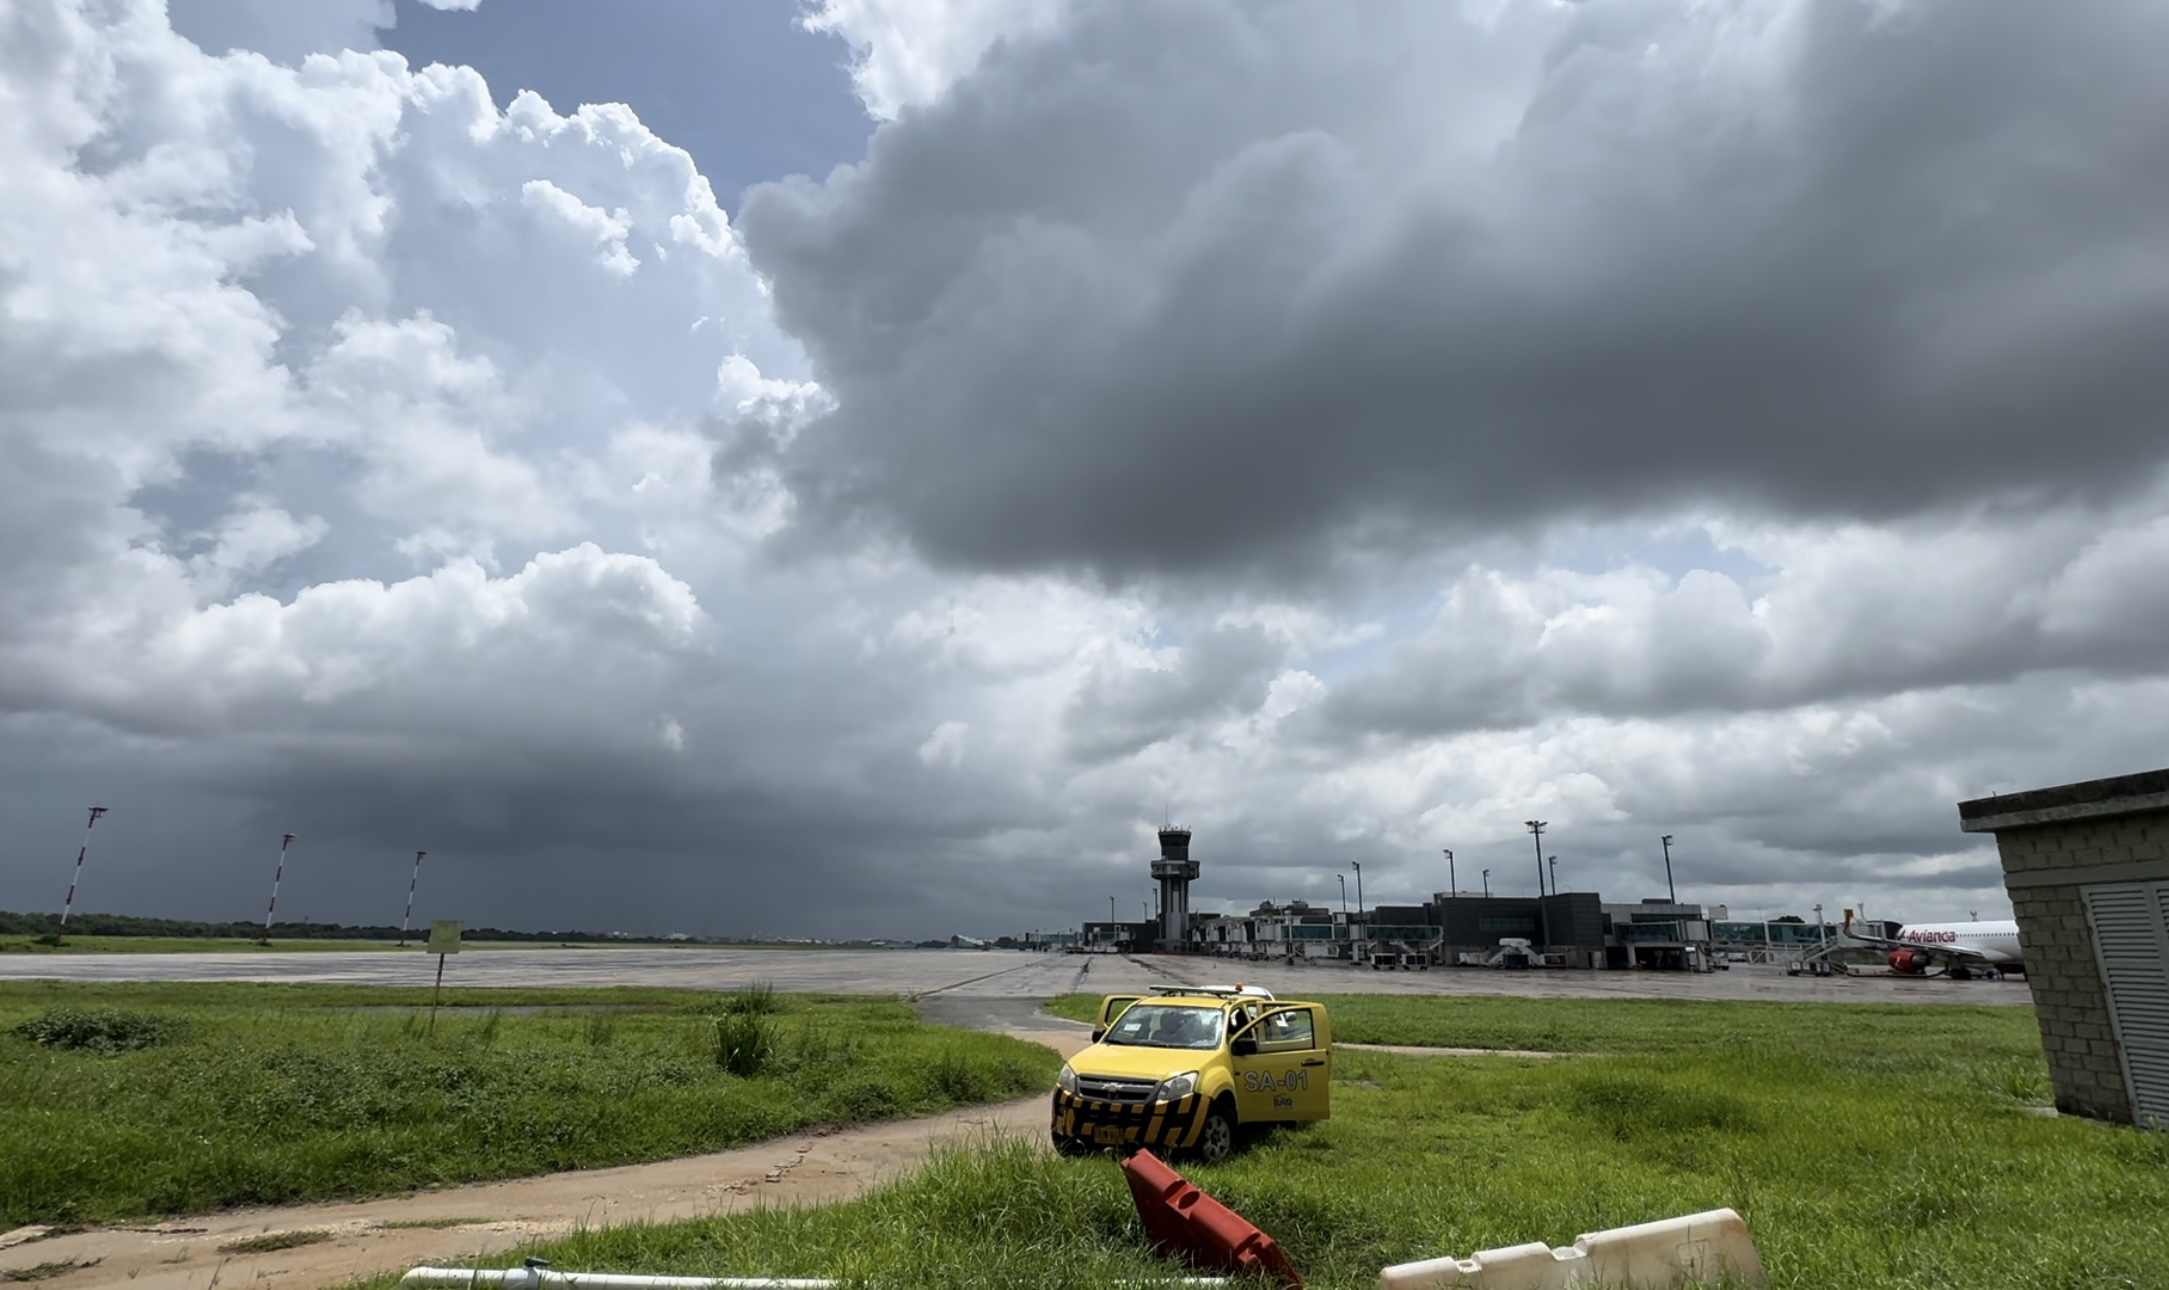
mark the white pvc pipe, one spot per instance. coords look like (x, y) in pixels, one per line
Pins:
(538, 1279)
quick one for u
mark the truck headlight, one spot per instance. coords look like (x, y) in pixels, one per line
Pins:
(1176, 1087)
(1067, 1080)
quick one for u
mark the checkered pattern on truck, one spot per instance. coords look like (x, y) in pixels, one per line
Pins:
(1141, 1122)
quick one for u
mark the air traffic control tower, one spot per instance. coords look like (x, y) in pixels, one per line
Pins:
(1174, 870)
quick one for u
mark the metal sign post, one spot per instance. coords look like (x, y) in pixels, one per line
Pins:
(443, 941)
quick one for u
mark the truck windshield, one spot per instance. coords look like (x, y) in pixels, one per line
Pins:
(1159, 1025)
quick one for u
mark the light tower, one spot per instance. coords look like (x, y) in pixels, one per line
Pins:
(1175, 870)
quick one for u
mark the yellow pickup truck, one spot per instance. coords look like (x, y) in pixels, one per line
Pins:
(1186, 1069)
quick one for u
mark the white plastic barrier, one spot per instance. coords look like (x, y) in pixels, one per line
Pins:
(1711, 1248)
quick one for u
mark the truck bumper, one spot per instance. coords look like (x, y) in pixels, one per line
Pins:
(1125, 1125)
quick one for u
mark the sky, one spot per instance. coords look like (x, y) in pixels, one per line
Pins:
(857, 467)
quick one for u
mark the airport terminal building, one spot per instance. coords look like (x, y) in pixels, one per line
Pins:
(1567, 929)
(1572, 929)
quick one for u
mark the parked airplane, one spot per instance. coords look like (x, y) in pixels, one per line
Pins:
(1959, 949)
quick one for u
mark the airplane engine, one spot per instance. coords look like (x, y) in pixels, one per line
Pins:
(1909, 962)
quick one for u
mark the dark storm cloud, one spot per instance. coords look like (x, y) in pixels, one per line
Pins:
(778, 820)
(1196, 285)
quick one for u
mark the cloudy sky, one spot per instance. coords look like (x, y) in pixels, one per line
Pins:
(856, 466)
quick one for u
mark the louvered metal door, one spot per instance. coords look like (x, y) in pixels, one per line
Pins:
(2131, 942)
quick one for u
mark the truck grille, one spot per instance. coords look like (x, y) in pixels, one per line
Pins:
(1101, 1089)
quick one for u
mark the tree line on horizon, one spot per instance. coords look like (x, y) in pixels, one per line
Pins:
(17, 924)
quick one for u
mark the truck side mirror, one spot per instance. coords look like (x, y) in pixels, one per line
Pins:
(1098, 1034)
(1244, 1046)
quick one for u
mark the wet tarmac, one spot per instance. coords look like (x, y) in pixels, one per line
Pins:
(930, 975)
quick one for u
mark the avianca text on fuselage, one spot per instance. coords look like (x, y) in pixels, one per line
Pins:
(1990, 945)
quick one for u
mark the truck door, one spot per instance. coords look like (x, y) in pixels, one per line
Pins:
(1111, 1007)
(1290, 1074)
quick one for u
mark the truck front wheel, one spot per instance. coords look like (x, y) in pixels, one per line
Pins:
(1216, 1141)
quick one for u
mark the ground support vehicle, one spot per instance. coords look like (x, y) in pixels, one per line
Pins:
(1405, 960)
(1189, 1068)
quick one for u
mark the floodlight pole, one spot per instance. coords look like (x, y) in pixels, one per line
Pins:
(1453, 888)
(1669, 890)
(1554, 862)
(1536, 828)
(1344, 895)
(285, 840)
(81, 853)
(1357, 865)
(412, 883)
(1487, 884)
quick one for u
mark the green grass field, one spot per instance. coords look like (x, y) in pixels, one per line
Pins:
(1664, 1025)
(1870, 1148)
(75, 944)
(255, 1094)
(182, 945)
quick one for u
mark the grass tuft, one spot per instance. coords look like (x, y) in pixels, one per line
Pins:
(272, 1242)
(1630, 1107)
(745, 1043)
(47, 1271)
(757, 1000)
(2023, 1082)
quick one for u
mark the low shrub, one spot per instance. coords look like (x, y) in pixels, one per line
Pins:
(100, 1030)
(863, 1099)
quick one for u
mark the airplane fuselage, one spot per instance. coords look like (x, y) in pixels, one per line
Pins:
(1995, 942)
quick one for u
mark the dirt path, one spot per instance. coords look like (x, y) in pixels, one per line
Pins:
(368, 1237)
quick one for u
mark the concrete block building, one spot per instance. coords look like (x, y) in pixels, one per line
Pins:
(2087, 869)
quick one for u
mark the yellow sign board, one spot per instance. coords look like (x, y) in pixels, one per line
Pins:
(444, 936)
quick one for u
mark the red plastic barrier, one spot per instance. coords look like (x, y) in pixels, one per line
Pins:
(1183, 1221)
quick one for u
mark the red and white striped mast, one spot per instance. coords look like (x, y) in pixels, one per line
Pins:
(81, 853)
(285, 841)
(412, 883)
